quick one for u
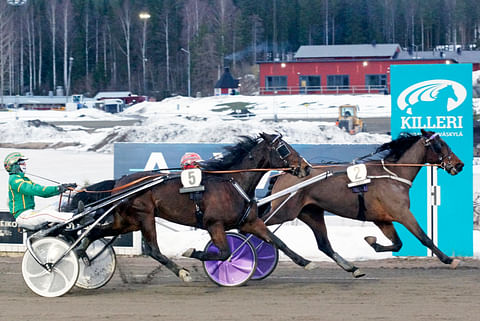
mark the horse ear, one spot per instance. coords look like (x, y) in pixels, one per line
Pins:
(266, 137)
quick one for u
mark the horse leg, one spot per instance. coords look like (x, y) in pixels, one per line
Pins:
(150, 235)
(259, 229)
(314, 218)
(388, 229)
(411, 224)
(219, 238)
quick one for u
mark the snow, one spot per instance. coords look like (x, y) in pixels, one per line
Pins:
(84, 155)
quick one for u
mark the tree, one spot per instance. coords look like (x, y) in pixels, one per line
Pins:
(125, 16)
(6, 38)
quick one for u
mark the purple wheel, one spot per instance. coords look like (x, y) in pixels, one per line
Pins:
(239, 268)
(267, 258)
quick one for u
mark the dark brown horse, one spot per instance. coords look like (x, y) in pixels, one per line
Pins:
(386, 201)
(226, 203)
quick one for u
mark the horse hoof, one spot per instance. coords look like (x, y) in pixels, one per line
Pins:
(184, 275)
(454, 264)
(310, 266)
(371, 239)
(358, 273)
(189, 252)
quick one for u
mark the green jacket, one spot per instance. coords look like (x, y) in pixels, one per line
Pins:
(21, 193)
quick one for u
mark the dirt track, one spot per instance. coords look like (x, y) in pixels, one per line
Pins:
(394, 289)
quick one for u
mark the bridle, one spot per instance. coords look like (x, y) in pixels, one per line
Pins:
(284, 151)
(445, 160)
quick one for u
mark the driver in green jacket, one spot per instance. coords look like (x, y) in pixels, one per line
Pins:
(22, 191)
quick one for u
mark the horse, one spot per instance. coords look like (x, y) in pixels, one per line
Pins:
(386, 201)
(226, 203)
(436, 94)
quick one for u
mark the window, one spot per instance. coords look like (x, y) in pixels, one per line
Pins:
(338, 81)
(379, 80)
(309, 83)
(276, 83)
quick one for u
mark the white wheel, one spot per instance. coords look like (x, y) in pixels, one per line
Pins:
(101, 268)
(63, 275)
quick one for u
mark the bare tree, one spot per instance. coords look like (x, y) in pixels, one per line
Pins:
(167, 54)
(5, 42)
(52, 17)
(125, 16)
(40, 57)
(223, 13)
(31, 50)
(87, 34)
(66, 12)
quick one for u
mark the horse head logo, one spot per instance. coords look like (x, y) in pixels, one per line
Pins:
(439, 91)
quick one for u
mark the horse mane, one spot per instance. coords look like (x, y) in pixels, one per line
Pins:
(234, 154)
(396, 148)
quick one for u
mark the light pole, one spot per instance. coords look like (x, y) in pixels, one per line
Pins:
(188, 71)
(69, 76)
(144, 16)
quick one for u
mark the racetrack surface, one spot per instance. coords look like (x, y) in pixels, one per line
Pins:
(394, 289)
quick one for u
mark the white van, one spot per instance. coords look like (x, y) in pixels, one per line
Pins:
(113, 105)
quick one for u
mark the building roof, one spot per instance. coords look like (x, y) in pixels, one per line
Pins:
(112, 94)
(348, 51)
(227, 81)
(462, 57)
(34, 100)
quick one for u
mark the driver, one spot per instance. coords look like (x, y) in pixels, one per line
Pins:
(21, 193)
(190, 160)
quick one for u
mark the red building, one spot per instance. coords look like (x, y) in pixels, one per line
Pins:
(354, 69)
(226, 85)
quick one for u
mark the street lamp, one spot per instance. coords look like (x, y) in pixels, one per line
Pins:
(188, 66)
(144, 16)
(69, 76)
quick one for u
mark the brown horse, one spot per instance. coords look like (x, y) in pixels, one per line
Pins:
(386, 201)
(226, 203)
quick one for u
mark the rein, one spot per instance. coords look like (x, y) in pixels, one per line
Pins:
(389, 164)
(119, 188)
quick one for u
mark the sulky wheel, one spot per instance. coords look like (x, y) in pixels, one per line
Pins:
(267, 258)
(239, 268)
(63, 275)
(101, 268)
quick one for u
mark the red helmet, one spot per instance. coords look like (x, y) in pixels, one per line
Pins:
(189, 160)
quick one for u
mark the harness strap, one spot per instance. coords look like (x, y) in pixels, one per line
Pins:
(242, 219)
(403, 180)
(361, 207)
(392, 176)
(250, 202)
(197, 197)
(240, 190)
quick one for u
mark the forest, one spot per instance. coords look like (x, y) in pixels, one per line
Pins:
(154, 47)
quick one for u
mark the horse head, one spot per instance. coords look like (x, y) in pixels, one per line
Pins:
(281, 154)
(448, 92)
(438, 152)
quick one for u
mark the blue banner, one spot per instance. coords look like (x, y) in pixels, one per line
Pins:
(134, 157)
(438, 97)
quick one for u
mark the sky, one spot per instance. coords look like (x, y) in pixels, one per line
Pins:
(183, 119)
